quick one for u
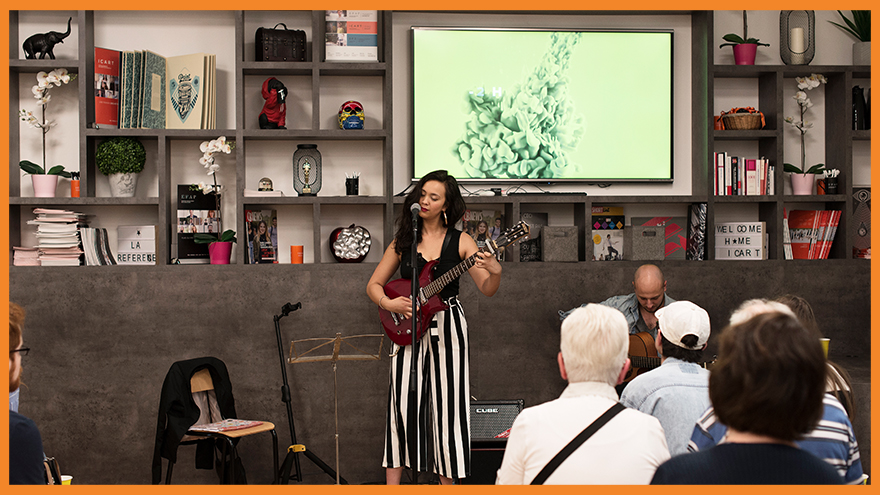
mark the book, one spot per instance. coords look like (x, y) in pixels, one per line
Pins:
(675, 233)
(741, 240)
(126, 98)
(530, 249)
(482, 225)
(136, 245)
(153, 97)
(261, 229)
(256, 193)
(803, 226)
(196, 213)
(106, 87)
(185, 81)
(351, 35)
(607, 245)
(786, 236)
(608, 218)
(137, 83)
(225, 425)
(696, 228)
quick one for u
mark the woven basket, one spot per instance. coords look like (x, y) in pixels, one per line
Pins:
(742, 121)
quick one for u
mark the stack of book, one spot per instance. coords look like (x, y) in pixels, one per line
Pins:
(144, 90)
(740, 176)
(812, 233)
(58, 236)
(25, 256)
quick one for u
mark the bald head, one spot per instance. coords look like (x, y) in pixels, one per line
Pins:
(650, 287)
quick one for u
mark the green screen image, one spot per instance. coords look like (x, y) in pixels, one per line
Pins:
(541, 105)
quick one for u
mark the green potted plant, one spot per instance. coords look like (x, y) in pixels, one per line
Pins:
(803, 178)
(860, 28)
(44, 181)
(121, 159)
(744, 48)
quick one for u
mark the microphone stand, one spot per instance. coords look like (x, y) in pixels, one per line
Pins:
(292, 458)
(412, 413)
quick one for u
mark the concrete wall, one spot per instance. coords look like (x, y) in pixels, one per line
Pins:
(103, 338)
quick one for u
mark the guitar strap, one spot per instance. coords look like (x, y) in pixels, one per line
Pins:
(577, 442)
(446, 240)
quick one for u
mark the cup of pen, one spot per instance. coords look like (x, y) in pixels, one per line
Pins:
(351, 186)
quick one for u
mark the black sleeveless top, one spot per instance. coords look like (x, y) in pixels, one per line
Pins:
(448, 260)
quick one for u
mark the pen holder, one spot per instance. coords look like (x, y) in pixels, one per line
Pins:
(351, 186)
(831, 185)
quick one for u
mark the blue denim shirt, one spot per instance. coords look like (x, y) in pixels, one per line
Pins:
(629, 306)
(676, 393)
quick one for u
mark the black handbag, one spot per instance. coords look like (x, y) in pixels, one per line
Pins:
(282, 45)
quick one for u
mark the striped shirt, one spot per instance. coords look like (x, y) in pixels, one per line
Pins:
(833, 439)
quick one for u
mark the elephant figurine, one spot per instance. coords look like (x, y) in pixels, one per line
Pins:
(43, 43)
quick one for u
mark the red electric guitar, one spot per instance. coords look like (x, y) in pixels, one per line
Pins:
(398, 327)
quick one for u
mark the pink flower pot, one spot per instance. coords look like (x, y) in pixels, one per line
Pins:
(802, 184)
(44, 185)
(220, 252)
(744, 53)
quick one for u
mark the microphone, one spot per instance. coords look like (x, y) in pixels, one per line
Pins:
(415, 209)
(289, 308)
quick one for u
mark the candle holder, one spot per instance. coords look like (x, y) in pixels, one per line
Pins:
(797, 36)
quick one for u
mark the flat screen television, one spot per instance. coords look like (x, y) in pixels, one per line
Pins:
(543, 106)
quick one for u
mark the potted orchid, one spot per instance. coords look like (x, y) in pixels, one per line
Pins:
(802, 178)
(219, 248)
(44, 180)
(744, 48)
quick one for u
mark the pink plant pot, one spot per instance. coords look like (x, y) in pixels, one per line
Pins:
(219, 252)
(44, 185)
(744, 53)
(802, 184)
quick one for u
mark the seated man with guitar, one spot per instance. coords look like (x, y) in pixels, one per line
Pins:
(677, 392)
(442, 391)
(639, 307)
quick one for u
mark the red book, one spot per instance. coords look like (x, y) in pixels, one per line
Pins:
(106, 87)
(802, 226)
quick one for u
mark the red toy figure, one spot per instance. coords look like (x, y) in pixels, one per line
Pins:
(274, 110)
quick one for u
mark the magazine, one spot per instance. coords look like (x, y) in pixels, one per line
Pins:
(261, 229)
(225, 425)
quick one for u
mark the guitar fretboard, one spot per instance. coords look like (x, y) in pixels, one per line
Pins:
(443, 280)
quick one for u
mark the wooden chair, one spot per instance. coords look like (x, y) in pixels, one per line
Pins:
(202, 389)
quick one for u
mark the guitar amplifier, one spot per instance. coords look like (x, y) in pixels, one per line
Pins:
(490, 420)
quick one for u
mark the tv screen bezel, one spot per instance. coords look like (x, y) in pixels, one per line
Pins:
(549, 181)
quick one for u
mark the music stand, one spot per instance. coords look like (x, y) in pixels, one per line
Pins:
(332, 354)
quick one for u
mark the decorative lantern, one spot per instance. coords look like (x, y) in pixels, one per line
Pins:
(307, 169)
(797, 36)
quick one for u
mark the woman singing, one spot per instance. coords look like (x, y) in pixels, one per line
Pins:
(443, 349)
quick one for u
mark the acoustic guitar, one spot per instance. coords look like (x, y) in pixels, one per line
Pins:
(397, 326)
(643, 355)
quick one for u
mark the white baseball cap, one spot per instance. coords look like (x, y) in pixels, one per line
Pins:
(684, 318)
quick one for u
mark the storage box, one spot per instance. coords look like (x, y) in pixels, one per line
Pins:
(648, 242)
(559, 243)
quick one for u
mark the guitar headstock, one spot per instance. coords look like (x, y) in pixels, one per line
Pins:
(509, 236)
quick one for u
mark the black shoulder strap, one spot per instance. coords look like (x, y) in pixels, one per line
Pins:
(577, 442)
(446, 239)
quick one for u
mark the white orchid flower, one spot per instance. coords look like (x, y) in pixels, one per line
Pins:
(44, 100)
(213, 168)
(42, 79)
(63, 75)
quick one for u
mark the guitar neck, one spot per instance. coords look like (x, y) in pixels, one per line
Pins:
(443, 280)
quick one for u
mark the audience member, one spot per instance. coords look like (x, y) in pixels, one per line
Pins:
(640, 307)
(592, 358)
(833, 441)
(677, 392)
(767, 386)
(25, 444)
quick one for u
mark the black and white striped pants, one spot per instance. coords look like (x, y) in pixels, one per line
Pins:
(442, 397)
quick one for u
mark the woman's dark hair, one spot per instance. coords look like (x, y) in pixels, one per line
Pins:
(769, 378)
(839, 380)
(671, 350)
(455, 208)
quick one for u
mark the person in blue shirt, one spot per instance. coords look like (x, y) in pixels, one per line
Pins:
(677, 392)
(25, 443)
(640, 307)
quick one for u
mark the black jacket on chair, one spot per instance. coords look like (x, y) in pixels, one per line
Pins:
(178, 411)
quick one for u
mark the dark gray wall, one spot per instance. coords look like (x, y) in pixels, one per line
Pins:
(103, 339)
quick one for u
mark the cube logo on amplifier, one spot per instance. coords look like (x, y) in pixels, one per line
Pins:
(490, 420)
